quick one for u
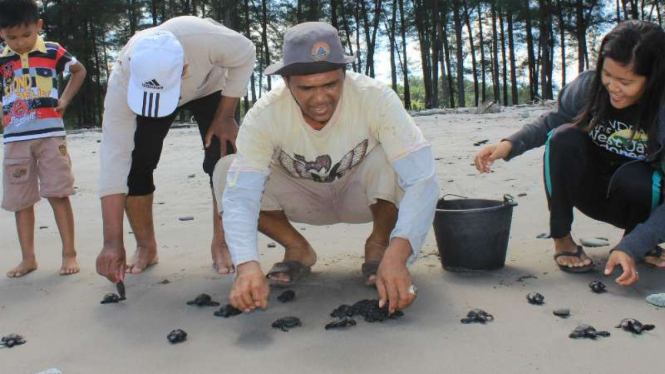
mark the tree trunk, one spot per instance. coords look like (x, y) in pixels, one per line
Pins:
(264, 40)
(357, 20)
(313, 13)
(347, 31)
(391, 38)
(459, 54)
(436, 41)
(495, 58)
(511, 54)
(545, 42)
(562, 40)
(533, 78)
(474, 66)
(405, 65)
(248, 31)
(371, 43)
(504, 66)
(481, 45)
(446, 50)
(423, 38)
(445, 91)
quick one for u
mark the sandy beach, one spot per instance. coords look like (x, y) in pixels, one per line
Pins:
(67, 328)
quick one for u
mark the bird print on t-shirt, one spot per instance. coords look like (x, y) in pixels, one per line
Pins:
(321, 169)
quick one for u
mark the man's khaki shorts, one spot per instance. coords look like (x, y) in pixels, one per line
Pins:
(36, 167)
(346, 200)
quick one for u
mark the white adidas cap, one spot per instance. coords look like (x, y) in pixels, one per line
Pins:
(155, 65)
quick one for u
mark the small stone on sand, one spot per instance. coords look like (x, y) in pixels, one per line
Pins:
(562, 312)
(594, 242)
(657, 299)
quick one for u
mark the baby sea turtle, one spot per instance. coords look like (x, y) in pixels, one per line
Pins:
(177, 336)
(477, 315)
(586, 331)
(597, 286)
(111, 298)
(203, 300)
(12, 340)
(342, 311)
(562, 312)
(341, 322)
(535, 298)
(368, 309)
(285, 323)
(227, 311)
(634, 326)
(371, 312)
(286, 296)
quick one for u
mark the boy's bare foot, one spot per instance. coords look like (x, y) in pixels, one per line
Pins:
(304, 255)
(568, 245)
(221, 259)
(142, 258)
(69, 265)
(25, 267)
(373, 254)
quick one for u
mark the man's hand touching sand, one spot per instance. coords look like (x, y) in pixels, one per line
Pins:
(111, 263)
(393, 280)
(250, 289)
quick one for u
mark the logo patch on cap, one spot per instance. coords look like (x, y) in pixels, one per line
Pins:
(320, 51)
(152, 84)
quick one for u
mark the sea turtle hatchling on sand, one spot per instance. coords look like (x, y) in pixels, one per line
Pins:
(477, 315)
(227, 311)
(340, 323)
(634, 326)
(342, 311)
(203, 300)
(535, 298)
(12, 340)
(111, 298)
(586, 331)
(286, 323)
(286, 296)
(177, 336)
(597, 286)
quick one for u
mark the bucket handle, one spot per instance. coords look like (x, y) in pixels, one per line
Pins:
(508, 199)
(452, 194)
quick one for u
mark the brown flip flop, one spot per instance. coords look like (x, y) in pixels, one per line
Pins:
(294, 269)
(369, 268)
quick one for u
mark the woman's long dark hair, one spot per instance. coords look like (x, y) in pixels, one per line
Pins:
(641, 46)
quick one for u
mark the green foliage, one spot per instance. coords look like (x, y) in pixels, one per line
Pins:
(95, 30)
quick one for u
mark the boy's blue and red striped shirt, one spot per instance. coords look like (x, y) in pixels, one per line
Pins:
(29, 91)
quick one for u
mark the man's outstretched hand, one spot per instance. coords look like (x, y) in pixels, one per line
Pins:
(250, 289)
(111, 263)
(393, 280)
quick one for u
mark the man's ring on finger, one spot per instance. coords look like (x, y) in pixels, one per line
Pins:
(413, 290)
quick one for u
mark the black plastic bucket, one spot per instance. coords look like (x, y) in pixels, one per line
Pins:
(472, 234)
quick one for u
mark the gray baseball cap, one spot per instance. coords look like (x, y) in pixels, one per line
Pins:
(310, 48)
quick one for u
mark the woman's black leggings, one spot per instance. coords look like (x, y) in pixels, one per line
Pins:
(580, 174)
